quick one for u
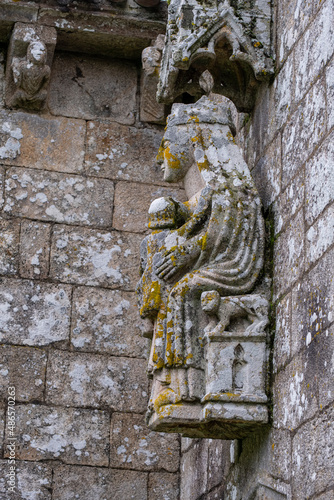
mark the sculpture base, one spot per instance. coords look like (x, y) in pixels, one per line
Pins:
(213, 419)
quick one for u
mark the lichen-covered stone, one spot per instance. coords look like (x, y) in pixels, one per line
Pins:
(50, 143)
(58, 197)
(133, 446)
(304, 130)
(163, 486)
(33, 481)
(2, 430)
(25, 369)
(97, 258)
(9, 246)
(88, 87)
(267, 173)
(107, 322)
(132, 201)
(33, 313)
(34, 249)
(330, 93)
(289, 202)
(195, 460)
(88, 483)
(282, 348)
(289, 255)
(2, 179)
(75, 436)
(319, 179)
(126, 153)
(313, 452)
(295, 393)
(96, 381)
(320, 236)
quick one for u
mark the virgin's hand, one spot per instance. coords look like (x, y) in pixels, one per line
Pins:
(172, 262)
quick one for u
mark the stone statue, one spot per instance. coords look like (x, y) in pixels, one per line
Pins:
(207, 248)
(31, 76)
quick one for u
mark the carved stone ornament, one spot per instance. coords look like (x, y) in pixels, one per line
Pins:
(216, 45)
(199, 287)
(150, 110)
(29, 60)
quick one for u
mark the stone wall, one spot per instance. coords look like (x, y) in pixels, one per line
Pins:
(288, 142)
(76, 183)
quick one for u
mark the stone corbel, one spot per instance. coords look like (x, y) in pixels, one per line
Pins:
(29, 62)
(216, 46)
(150, 110)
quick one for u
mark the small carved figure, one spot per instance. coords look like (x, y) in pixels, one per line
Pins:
(31, 77)
(212, 243)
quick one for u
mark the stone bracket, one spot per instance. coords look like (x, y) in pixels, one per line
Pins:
(29, 61)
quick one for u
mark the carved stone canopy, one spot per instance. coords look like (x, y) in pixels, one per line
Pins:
(217, 46)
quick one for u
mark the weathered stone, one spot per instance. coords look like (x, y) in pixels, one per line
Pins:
(75, 436)
(313, 451)
(284, 91)
(267, 173)
(290, 201)
(330, 93)
(2, 77)
(127, 153)
(96, 381)
(89, 483)
(289, 255)
(33, 313)
(292, 19)
(9, 246)
(320, 236)
(283, 335)
(132, 202)
(2, 178)
(29, 61)
(89, 88)
(150, 109)
(34, 249)
(216, 458)
(325, 371)
(25, 369)
(2, 430)
(194, 485)
(25, 12)
(319, 180)
(58, 197)
(303, 131)
(295, 393)
(313, 304)
(98, 258)
(46, 143)
(314, 49)
(33, 481)
(107, 322)
(133, 446)
(163, 486)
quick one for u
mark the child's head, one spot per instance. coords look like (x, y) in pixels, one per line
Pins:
(162, 214)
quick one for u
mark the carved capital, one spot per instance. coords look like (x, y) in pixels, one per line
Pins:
(29, 62)
(217, 46)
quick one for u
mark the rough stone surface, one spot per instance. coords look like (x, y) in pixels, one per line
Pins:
(2, 199)
(58, 197)
(96, 381)
(133, 446)
(132, 202)
(98, 483)
(320, 236)
(9, 245)
(25, 369)
(163, 486)
(125, 153)
(98, 258)
(34, 313)
(282, 343)
(107, 322)
(34, 249)
(313, 451)
(42, 142)
(82, 87)
(289, 255)
(75, 436)
(34, 481)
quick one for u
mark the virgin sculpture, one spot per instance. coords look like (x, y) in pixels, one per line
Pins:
(208, 248)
